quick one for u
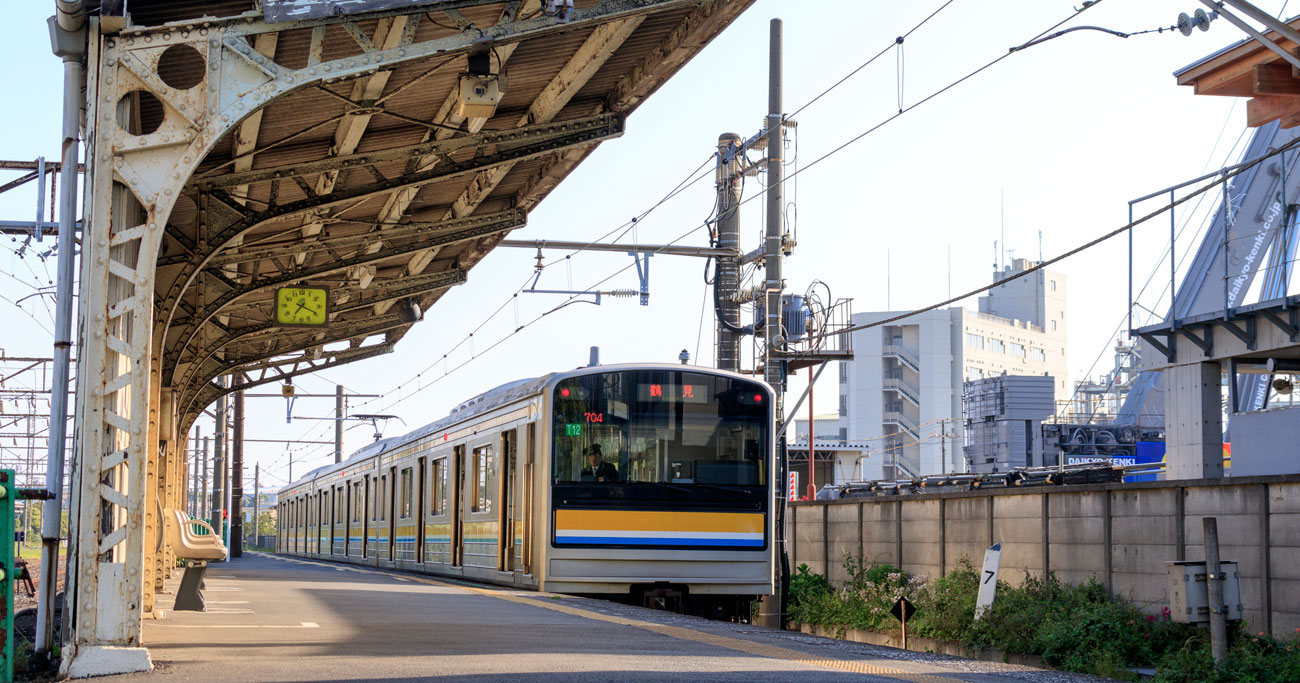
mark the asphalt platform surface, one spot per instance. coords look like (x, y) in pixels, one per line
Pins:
(284, 619)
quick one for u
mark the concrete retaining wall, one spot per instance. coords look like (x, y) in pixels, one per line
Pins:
(1120, 534)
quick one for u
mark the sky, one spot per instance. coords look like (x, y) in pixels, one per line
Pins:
(1046, 146)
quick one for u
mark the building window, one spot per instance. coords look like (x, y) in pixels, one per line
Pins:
(844, 373)
(1017, 350)
(1038, 355)
(974, 341)
(1053, 284)
(844, 433)
(973, 374)
(1053, 324)
(844, 405)
(997, 345)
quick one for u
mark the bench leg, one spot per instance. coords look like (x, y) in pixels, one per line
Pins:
(188, 596)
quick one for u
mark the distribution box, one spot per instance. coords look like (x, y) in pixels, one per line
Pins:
(1188, 598)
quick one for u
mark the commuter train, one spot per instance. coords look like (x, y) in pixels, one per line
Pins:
(648, 483)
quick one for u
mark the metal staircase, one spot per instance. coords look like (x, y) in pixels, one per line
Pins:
(910, 393)
(904, 357)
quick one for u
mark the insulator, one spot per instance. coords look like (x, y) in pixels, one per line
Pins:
(789, 123)
(622, 292)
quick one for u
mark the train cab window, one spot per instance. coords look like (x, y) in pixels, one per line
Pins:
(438, 496)
(483, 479)
(405, 509)
(662, 427)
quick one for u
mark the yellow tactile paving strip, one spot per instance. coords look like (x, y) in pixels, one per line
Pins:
(920, 673)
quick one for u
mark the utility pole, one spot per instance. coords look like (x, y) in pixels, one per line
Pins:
(237, 477)
(1214, 591)
(774, 368)
(943, 445)
(197, 447)
(726, 275)
(338, 423)
(812, 437)
(204, 505)
(257, 494)
(219, 463)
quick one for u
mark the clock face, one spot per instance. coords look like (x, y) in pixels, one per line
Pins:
(304, 306)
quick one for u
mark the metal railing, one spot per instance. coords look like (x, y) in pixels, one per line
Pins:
(907, 391)
(906, 423)
(903, 355)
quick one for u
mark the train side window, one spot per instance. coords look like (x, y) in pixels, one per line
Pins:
(406, 494)
(356, 502)
(483, 479)
(383, 497)
(438, 497)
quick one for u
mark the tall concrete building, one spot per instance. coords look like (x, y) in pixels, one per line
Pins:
(902, 393)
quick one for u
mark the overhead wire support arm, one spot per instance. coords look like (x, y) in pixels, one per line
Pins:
(659, 249)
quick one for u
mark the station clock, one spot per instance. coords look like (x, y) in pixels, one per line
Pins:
(302, 306)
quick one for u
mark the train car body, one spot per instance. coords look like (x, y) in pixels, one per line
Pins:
(650, 483)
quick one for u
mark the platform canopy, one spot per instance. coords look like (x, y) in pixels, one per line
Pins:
(237, 148)
(365, 180)
(1250, 69)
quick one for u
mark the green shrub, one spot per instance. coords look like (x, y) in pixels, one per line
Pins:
(1251, 659)
(1076, 628)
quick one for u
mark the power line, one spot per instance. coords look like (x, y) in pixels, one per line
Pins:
(1239, 169)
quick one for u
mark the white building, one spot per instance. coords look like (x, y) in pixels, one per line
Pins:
(902, 392)
(828, 427)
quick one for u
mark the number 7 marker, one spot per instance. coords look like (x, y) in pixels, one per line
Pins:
(989, 579)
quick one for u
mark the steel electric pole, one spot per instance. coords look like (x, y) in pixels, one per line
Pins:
(237, 478)
(726, 279)
(219, 462)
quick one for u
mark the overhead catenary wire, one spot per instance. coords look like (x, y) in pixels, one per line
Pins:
(1211, 184)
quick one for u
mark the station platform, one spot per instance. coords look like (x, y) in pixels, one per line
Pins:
(284, 619)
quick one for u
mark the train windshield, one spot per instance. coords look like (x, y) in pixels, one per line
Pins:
(661, 427)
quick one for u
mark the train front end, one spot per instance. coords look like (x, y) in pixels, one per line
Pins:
(661, 488)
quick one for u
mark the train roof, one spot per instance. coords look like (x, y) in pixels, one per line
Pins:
(492, 399)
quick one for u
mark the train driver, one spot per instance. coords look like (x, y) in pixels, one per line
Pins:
(597, 470)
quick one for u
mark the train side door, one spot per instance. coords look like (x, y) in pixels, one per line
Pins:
(391, 509)
(526, 553)
(506, 509)
(457, 505)
(366, 523)
(419, 512)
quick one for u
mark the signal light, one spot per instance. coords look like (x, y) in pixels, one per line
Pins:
(564, 392)
(758, 398)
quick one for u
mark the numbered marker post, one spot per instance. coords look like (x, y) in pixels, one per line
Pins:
(988, 579)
